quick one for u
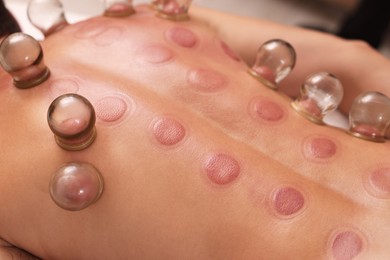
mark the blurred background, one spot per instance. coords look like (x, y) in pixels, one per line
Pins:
(326, 15)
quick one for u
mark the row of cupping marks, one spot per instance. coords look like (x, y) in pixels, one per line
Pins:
(71, 117)
(49, 15)
(321, 93)
(22, 56)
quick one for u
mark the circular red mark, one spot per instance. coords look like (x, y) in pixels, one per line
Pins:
(156, 53)
(265, 72)
(63, 86)
(288, 201)
(101, 34)
(206, 80)
(379, 181)
(182, 37)
(222, 168)
(346, 245)
(268, 110)
(168, 131)
(319, 148)
(110, 109)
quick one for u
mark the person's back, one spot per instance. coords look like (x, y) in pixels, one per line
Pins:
(193, 158)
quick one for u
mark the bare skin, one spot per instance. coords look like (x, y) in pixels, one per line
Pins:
(8, 251)
(355, 63)
(160, 199)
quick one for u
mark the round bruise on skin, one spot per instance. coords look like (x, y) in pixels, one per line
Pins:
(346, 245)
(266, 110)
(111, 109)
(168, 131)
(311, 107)
(287, 201)
(221, 169)
(206, 80)
(266, 73)
(229, 52)
(379, 183)
(319, 148)
(89, 29)
(108, 36)
(76, 186)
(182, 37)
(155, 54)
(59, 87)
(100, 34)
